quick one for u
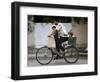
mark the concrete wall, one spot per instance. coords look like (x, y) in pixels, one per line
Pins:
(80, 31)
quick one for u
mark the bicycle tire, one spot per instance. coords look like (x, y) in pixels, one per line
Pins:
(69, 56)
(37, 54)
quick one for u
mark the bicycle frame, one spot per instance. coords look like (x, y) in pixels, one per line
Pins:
(60, 54)
(55, 50)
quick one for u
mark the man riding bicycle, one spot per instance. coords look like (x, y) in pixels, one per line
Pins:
(59, 33)
(68, 51)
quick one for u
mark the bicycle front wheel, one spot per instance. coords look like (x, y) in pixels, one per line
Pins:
(71, 55)
(44, 55)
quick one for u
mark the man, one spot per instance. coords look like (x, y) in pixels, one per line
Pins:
(60, 27)
(60, 33)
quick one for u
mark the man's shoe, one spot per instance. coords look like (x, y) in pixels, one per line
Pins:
(55, 58)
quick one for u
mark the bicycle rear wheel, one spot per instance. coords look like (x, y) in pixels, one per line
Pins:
(71, 55)
(44, 55)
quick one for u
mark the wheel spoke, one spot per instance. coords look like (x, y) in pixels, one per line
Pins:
(44, 56)
(71, 55)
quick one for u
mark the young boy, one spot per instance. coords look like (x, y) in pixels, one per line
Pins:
(55, 34)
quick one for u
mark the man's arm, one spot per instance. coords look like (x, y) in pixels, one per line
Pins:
(53, 32)
(59, 27)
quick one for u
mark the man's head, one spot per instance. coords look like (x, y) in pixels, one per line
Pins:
(56, 21)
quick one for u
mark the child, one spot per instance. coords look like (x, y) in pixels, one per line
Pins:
(55, 34)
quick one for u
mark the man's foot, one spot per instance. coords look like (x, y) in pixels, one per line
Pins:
(57, 57)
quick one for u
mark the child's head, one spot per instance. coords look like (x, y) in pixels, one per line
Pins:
(53, 28)
(70, 33)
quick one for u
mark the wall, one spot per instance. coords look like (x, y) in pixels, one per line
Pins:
(80, 31)
(39, 37)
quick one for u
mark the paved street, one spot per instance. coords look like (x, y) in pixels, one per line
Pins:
(33, 62)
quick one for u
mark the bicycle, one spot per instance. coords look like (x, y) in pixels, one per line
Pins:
(44, 55)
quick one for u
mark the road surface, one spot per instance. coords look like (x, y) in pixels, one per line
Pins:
(33, 62)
